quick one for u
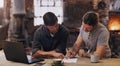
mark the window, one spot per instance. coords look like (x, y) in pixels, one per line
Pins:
(43, 6)
(1, 3)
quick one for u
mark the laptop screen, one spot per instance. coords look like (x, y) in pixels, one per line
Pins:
(14, 51)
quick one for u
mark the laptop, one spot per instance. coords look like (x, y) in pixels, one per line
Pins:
(14, 51)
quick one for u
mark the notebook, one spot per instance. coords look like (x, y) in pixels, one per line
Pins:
(14, 51)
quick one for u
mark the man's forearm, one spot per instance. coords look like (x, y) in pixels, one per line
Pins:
(77, 44)
(49, 53)
(41, 53)
(53, 53)
(100, 51)
(75, 48)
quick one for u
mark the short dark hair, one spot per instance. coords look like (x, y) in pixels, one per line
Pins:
(91, 18)
(49, 19)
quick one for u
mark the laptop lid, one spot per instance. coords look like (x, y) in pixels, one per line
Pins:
(14, 51)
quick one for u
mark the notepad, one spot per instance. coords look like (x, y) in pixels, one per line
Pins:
(70, 60)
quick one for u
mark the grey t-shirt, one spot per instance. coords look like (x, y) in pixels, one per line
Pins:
(98, 36)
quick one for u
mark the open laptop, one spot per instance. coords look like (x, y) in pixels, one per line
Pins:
(14, 51)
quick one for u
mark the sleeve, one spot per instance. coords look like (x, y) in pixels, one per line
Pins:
(103, 38)
(36, 42)
(62, 43)
(81, 28)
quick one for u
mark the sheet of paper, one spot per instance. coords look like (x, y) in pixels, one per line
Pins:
(70, 60)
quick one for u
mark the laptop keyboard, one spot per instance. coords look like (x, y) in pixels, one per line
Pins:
(31, 59)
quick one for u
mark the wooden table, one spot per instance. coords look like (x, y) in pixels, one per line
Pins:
(80, 62)
(86, 62)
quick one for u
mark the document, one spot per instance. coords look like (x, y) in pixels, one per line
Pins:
(70, 60)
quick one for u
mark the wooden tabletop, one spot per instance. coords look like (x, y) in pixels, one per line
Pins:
(80, 62)
(86, 62)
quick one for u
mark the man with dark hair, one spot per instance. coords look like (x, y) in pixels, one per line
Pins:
(50, 39)
(93, 38)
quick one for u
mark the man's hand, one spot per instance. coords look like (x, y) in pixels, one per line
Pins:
(41, 53)
(58, 55)
(36, 55)
(70, 53)
(82, 53)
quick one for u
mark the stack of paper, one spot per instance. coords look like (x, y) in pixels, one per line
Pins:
(70, 60)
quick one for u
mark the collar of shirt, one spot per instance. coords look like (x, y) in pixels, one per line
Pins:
(52, 35)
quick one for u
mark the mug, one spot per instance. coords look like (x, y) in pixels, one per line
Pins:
(94, 58)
